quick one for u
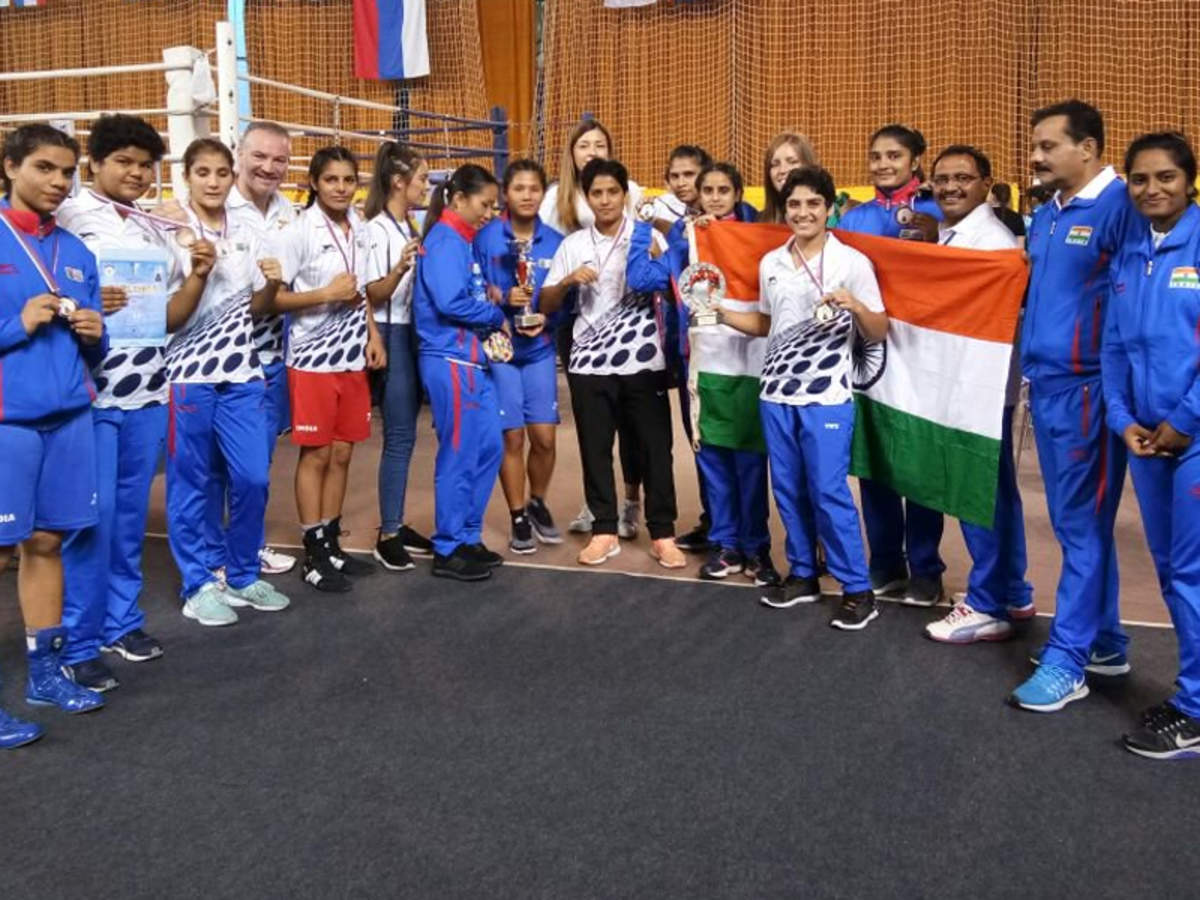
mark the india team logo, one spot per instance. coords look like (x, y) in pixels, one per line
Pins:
(1185, 277)
(1079, 235)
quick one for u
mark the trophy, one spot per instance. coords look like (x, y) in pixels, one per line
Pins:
(702, 287)
(904, 218)
(526, 318)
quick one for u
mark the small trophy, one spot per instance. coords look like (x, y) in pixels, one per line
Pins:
(526, 318)
(498, 347)
(904, 218)
(702, 287)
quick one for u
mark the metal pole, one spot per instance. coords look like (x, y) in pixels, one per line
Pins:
(227, 85)
(499, 140)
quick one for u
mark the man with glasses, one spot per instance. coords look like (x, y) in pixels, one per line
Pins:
(997, 591)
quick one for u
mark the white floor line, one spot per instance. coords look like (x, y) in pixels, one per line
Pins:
(598, 570)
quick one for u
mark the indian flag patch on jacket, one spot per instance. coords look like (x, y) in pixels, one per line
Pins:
(1185, 277)
(1079, 235)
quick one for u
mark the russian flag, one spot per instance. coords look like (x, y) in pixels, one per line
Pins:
(19, 3)
(390, 39)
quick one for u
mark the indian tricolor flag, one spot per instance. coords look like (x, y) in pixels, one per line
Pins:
(929, 424)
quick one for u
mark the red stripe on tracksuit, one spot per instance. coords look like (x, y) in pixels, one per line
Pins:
(171, 418)
(456, 387)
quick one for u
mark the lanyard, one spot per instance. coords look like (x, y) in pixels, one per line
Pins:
(194, 216)
(349, 260)
(36, 258)
(596, 250)
(138, 215)
(819, 278)
(408, 223)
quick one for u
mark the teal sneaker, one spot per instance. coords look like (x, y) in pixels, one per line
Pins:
(1111, 664)
(208, 606)
(1049, 689)
(258, 595)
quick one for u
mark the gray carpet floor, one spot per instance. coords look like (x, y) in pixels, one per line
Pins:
(575, 735)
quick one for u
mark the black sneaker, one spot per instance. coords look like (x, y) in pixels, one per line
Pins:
(92, 674)
(460, 565)
(480, 553)
(392, 555)
(694, 541)
(344, 562)
(1165, 733)
(893, 582)
(543, 523)
(856, 611)
(722, 562)
(414, 543)
(318, 569)
(761, 570)
(923, 590)
(136, 646)
(522, 535)
(793, 590)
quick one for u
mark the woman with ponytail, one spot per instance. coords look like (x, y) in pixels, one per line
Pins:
(456, 326)
(903, 536)
(331, 340)
(400, 181)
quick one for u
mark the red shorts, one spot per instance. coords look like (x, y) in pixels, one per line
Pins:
(328, 407)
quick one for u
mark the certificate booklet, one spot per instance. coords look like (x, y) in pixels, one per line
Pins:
(143, 274)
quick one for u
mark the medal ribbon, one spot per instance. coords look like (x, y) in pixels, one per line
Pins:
(36, 258)
(616, 240)
(348, 260)
(819, 278)
(123, 210)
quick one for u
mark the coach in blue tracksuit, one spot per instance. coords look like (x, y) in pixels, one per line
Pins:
(903, 536)
(1072, 240)
(1150, 359)
(453, 318)
(50, 332)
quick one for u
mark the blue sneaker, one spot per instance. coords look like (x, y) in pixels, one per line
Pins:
(47, 686)
(16, 733)
(1049, 689)
(1099, 663)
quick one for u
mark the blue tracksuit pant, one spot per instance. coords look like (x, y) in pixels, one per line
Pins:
(809, 449)
(207, 421)
(997, 578)
(277, 416)
(735, 486)
(903, 536)
(466, 417)
(1083, 466)
(102, 566)
(685, 411)
(1168, 491)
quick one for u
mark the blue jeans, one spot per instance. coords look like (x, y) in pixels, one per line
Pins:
(399, 403)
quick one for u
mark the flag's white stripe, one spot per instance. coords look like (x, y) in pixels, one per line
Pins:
(721, 350)
(414, 39)
(946, 378)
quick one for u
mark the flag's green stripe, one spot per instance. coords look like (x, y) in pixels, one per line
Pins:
(942, 468)
(729, 412)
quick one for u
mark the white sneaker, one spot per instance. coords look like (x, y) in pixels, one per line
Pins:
(209, 607)
(627, 525)
(582, 523)
(964, 625)
(272, 562)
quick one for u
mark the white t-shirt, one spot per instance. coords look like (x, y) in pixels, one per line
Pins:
(614, 334)
(548, 211)
(329, 337)
(981, 229)
(387, 237)
(268, 329)
(127, 377)
(216, 345)
(809, 362)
